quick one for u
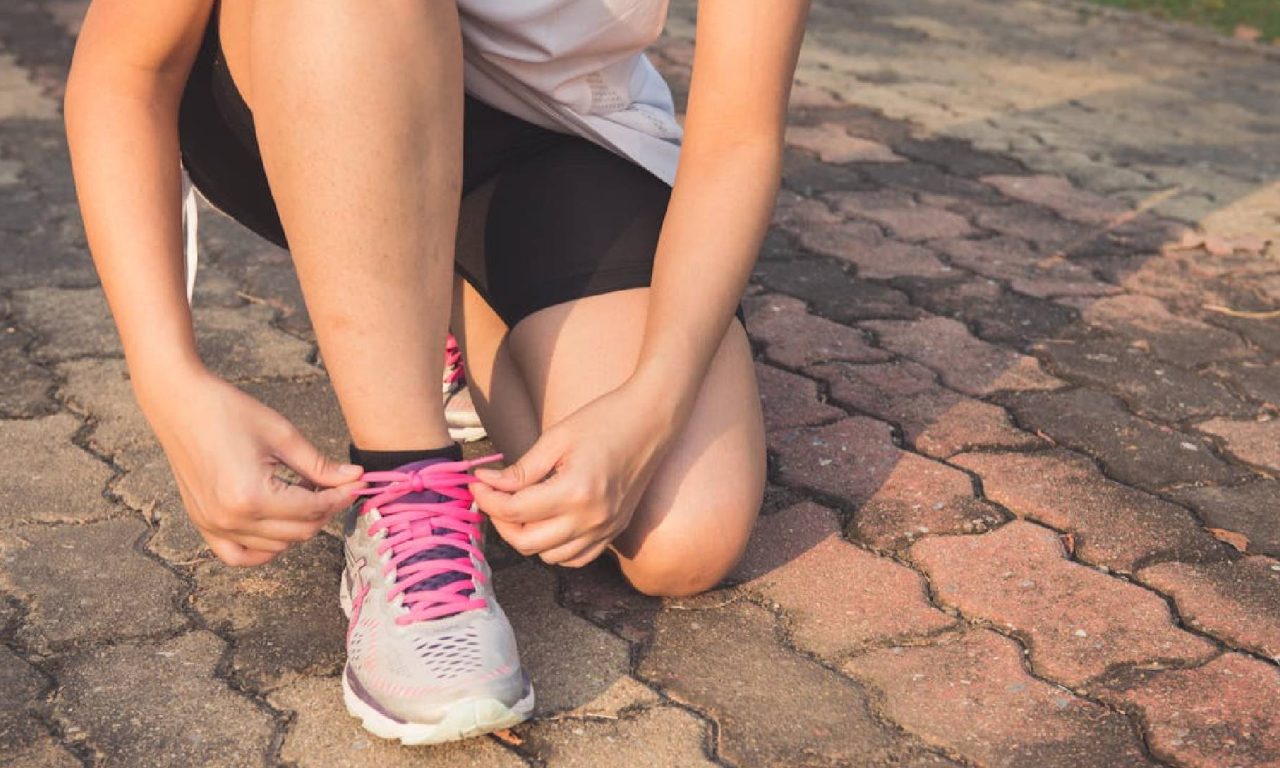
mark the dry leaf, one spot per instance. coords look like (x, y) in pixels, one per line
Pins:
(507, 736)
(1069, 542)
(1237, 540)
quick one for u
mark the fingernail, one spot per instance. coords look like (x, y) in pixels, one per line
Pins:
(492, 474)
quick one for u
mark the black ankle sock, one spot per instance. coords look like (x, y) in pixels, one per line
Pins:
(381, 461)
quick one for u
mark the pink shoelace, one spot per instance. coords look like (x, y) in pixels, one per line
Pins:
(453, 372)
(415, 527)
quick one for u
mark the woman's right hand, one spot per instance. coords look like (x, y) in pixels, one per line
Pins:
(224, 448)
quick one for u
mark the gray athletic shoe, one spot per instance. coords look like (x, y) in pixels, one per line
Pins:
(459, 410)
(430, 655)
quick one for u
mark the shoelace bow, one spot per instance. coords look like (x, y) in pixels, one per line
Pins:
(452, 361)
(415, 527)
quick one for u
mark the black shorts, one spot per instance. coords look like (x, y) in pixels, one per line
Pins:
(546, 217)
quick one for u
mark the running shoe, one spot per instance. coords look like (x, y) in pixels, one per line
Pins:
(459, 410)
(431, 656)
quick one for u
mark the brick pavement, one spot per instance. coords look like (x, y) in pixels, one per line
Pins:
(1021, 393)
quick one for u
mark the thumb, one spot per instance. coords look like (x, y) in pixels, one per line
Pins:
(532, 467)
(297, 453)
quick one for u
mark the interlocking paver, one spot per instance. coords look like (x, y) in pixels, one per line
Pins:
(1257, 442)
(790, 400)
(1061, 196)
(43, 752)
(832, 292)
(1144, 320)
(21, 686)
(834, 144)
(571, 662)
(1079, 623)
(283, 618)
(794, 338)
(969, 693)
(936, 421)
(965, 363)
(1150, 387)
(323, 735)
(88, 583)
(1132, 450)
(1026, 271)
(1114, 525)
(837, 597)
(996, 314)
(1237, 601)
(1218, 715)
(1247, 509)
(1046, 231)
(159, 704)
(703, 657)
(897, 495)
(50, 479)
(24, 386)
(666, 736)
(1254, 379)
(902, 215)
(101, 390)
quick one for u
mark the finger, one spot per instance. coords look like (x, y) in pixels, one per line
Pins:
(296, 452)
(533, 466)
(293, 502)
(287, 531)
(586, 557)
(533, 504)
(536, 538)
(262, 544)
(236, 555)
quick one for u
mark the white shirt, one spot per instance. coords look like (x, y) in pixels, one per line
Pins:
(576, 66)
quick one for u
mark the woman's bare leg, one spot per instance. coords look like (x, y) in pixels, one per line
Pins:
(695, 518)
(358, 110)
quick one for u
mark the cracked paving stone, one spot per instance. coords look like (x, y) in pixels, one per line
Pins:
(571, 662)
(101, 390)
(24, 386)
(794, 338)
(50, 480)
(1150, 387)
(1256, 380)
(1113, 525)
(1252, 509)
(965, 363)
(70, 602)
(727, 663)
(902, 214)
(235, 342)
(996, 314)
(1237, 602)
(159, 704)
(1079, 623)
(43, 752)
(897, 495)
(324, 735)
(838, 598)
(600, 593)
(935, 421)
(1145, 321)
(833, 293)
(282, 618)
(1133, 450)
(1255, 442)
(310, 405)
(1238, 725)
(968, 693)
(1026, 271)
(1060, 195)
(666, 736)
(150, 489)
(790, 401)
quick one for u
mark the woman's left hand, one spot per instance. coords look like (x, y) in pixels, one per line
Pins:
(600, 459)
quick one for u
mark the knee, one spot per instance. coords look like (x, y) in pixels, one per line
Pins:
(686, 563)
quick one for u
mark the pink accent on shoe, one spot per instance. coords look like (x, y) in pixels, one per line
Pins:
(453, 372)
(411, 529)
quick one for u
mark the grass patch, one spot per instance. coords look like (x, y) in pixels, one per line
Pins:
(1225, 15)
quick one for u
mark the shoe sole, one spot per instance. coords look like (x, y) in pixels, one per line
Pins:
(464, 719)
